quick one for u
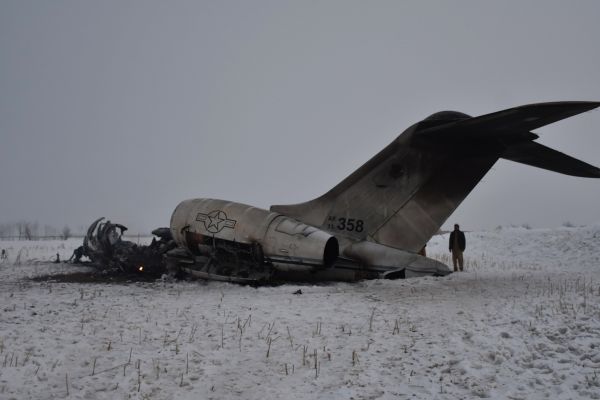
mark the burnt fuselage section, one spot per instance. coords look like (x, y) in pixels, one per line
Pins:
(236, 242)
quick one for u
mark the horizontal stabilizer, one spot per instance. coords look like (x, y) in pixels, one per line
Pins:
(508, 122)
(537, 155)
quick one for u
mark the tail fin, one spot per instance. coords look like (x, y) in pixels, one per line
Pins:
(403, 195)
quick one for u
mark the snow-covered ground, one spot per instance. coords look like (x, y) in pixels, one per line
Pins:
(523, 322)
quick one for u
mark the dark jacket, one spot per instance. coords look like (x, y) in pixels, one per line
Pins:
(462, 243)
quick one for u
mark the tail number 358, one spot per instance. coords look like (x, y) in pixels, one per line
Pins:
(345, 224)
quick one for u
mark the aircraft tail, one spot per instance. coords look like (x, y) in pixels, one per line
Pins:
(403, 195)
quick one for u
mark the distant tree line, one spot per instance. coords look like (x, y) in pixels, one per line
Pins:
(27, 230)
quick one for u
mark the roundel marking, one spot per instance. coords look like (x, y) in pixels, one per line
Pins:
(215, 221)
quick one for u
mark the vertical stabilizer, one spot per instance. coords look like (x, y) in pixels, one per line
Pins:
(403, 195)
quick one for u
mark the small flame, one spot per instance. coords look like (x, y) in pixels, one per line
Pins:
(141, 268)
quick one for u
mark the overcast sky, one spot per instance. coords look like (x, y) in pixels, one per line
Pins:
(124, 108)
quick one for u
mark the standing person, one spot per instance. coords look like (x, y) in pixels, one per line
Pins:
(457, 245)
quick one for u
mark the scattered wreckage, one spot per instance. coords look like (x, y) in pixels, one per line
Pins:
(108, 252)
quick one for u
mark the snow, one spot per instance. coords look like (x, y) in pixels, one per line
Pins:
(522, 322)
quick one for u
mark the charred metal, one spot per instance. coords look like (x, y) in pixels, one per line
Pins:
(108, 252)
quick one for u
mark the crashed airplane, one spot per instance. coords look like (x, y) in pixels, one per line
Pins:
(373, 223)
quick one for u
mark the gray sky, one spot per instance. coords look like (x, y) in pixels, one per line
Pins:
(122, 109)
